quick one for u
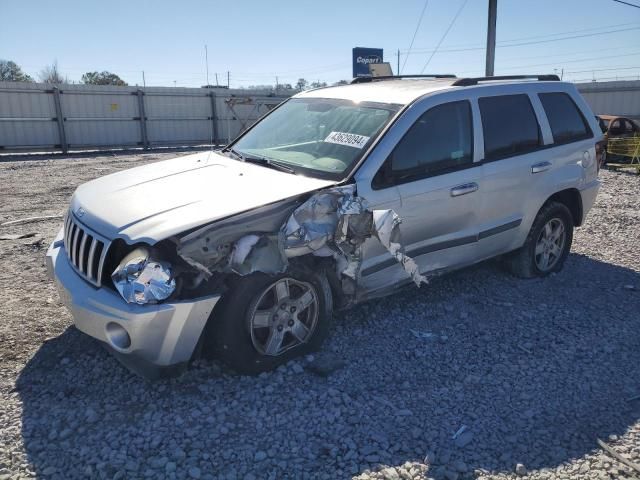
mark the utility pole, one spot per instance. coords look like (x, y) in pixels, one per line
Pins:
(217, 84)
(398, 70)
(144, 83)
(276, 84)
(228, 75)
(206, 61)
(491, 38)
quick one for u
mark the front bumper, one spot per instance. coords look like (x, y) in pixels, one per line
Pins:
(148, 339)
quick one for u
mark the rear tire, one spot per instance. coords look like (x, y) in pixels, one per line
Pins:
(266, 320)
(547, 245)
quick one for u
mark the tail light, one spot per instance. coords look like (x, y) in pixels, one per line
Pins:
(601, 149)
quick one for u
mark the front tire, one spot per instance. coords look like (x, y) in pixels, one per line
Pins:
(266, 320)
(548, 244)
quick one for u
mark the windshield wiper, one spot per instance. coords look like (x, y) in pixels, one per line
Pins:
(267, 162)
(235, 153)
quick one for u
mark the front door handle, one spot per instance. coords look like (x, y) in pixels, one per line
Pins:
(464, 189)
(540, 167)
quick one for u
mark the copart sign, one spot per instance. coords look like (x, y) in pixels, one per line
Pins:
(362, 58)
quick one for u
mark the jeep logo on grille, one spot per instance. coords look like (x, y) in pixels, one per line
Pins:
(80, 212)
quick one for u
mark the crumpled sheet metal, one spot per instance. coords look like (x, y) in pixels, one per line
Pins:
(312, 225)
(387, 228)
(257, 253)
(332, 223)
(337, 219)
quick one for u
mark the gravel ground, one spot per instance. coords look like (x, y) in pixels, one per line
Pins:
(529, 374)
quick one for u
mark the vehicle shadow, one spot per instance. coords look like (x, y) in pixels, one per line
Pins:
(536, 370)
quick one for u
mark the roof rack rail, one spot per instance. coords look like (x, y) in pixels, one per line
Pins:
(395, 77)
(465, 82)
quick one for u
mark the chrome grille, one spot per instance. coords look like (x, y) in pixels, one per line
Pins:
(85, 249)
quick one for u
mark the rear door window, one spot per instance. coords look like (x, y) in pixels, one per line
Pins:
(566, 122)
(510, 126)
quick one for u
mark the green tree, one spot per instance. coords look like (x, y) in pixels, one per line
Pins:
(102, 78)
(301, 84)
(318, 84)
(11, 72)
(341, 82)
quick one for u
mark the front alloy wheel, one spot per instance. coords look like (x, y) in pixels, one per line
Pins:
(265, 320)
(284, 316)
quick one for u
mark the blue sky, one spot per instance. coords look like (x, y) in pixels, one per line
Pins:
(257, 40)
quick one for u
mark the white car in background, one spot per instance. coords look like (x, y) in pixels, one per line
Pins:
(338, 195)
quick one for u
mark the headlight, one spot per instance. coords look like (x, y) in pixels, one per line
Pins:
(142, 279)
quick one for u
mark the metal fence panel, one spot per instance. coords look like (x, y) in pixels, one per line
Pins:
(613, 98)
(100, 118)
(177, 106)
(185, 131)
(27, 117)
(28, 134)
(89, 132)
(38, 116)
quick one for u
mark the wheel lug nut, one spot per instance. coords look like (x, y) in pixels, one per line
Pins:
(291, 323)
(292, 309)
(280, 328)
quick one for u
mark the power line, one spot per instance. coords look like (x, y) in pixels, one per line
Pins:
(627, 3)
(533, 42)
(414, 35)
(444, 35)
(567, 32)
(565, 54)
(562, 62)
(532, 37)
(546, 35)
(600, 79)
(604, 69)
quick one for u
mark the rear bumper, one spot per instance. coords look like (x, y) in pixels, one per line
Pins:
(148, 339)
(588, 194)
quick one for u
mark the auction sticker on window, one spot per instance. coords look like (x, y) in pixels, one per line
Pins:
(348, 139)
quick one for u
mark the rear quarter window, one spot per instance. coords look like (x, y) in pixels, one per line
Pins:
(566, 122)
(510, 126)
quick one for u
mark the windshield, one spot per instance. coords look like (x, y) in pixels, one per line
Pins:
(316, 136)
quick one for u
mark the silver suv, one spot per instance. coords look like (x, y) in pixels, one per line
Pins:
(338, 195)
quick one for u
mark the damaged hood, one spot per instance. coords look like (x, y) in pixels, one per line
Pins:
(155, 201)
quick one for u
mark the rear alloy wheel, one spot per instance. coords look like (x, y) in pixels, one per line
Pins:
(266, 320)
(548, 244)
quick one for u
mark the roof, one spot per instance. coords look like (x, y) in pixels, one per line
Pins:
(400, 92)
(403, 91)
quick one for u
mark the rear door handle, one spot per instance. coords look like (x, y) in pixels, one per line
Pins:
(540, 167)
(464, 189)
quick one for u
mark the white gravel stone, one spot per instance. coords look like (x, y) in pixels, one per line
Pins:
(375, 399)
